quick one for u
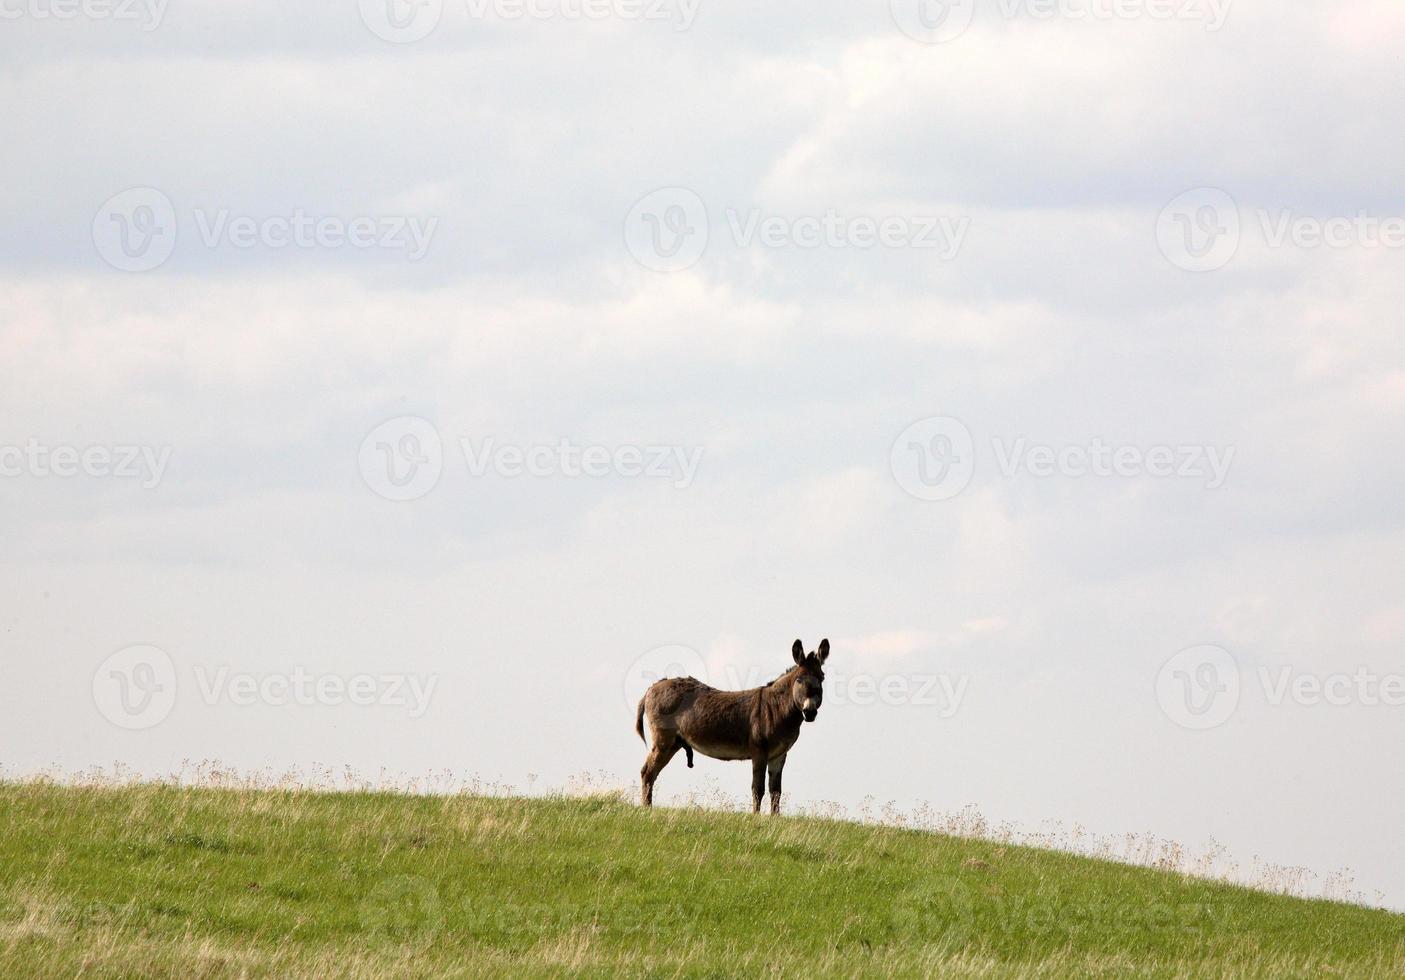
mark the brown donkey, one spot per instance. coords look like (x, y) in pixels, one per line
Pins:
(760, 724)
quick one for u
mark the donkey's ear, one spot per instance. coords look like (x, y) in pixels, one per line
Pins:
(824, 650)
(798, 652)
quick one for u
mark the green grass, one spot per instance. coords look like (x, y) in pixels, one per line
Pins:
(168, 882)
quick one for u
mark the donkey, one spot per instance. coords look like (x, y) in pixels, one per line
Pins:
(760, 724)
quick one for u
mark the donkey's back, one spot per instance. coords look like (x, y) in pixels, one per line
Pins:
(678, 700)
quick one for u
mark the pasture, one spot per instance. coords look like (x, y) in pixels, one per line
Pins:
(155, 880)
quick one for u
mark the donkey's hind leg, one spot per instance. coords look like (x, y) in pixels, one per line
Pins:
(665, 747)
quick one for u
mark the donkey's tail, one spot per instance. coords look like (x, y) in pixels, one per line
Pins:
(639, 722)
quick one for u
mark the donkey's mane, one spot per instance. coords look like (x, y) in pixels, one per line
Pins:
(793, 670)
(771, 705)
(772, 701)
(781, 677)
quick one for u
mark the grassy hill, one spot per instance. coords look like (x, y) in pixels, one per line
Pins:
(160, 881)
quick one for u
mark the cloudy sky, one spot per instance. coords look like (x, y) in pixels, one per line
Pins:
(404, 386)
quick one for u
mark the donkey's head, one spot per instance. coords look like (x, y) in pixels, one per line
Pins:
(807, 683)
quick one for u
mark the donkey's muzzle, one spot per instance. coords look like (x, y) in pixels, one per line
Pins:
(810, 713)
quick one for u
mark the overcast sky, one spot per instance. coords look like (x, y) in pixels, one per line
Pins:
(405, 386)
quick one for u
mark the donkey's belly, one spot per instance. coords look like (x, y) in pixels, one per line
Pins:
(727, 753)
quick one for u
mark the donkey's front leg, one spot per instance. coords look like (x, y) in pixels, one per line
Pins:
(773, 769)
(758, 780)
